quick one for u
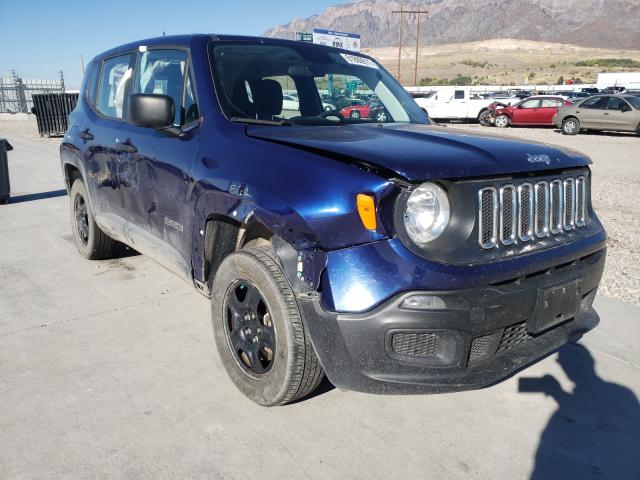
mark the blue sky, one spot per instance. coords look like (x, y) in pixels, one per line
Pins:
(38, 38)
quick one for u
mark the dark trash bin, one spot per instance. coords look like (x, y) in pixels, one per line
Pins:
(51, 111)
(5, 186)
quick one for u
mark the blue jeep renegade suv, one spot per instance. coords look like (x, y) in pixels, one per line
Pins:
(389, 253)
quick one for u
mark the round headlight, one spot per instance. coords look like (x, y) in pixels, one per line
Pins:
(426, 213)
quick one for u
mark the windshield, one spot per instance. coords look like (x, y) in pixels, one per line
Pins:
(635, 101)
(307, 85)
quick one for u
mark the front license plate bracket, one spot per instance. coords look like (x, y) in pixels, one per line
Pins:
(555, 305)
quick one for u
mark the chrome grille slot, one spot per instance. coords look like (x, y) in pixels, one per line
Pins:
(508, 205)
(519, 213)
(569, 197)
(556, 207)
(525, 212)
(542, 209)
(581, 200)
(488, 221)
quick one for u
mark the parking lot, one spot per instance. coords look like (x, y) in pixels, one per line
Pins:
(108, 369)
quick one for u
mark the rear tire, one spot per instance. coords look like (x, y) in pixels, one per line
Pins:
(90, 240)
(502, 121)
(260, 336)
(570, 126)
(355, 114)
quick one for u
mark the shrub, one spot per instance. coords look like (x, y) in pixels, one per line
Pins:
(609, 62)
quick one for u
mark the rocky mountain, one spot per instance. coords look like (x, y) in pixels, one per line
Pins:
(592, 23)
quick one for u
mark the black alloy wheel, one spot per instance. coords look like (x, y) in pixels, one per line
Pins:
(91, 242)
(82, 218)
(249, 328)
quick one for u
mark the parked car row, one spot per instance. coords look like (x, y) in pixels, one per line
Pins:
(614, 112)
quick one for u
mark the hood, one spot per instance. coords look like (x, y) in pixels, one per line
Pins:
(422, 152)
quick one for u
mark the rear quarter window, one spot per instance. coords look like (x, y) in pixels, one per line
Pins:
(91, 88)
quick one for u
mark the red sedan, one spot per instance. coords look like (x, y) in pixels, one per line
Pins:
(356, 111)
(530, 111)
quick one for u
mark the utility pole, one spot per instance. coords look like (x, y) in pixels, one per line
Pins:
(415, 76)
(402, 11)
(82, 62)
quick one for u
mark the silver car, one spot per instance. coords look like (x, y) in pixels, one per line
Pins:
(600, 112)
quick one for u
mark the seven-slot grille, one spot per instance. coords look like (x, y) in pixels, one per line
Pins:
(522, 212)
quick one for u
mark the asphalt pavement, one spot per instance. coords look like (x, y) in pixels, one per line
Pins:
(108, 370)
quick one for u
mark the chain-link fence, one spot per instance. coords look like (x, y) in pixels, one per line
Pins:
(16, 94)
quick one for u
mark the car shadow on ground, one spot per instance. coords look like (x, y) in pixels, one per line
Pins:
(324, 387)
(594, 433)
(38, 196)
(601, 133)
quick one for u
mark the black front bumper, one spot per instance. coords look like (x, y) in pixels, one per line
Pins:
(475, 338)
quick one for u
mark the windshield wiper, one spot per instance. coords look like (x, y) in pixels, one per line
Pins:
(256, 121)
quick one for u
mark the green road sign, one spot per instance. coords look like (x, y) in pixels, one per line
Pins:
(304, 37)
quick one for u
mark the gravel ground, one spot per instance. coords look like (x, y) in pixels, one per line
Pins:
(615, 195)
(616, 190)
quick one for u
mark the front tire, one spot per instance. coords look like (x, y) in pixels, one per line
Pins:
(355, 114)
(259, 332)
(570, 126)
(381, 116)
(502, 121)
(484, 117)
(90, 240)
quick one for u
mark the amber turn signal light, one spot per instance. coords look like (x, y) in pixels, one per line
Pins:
(367, 211)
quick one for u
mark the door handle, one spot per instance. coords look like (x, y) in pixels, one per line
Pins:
(606, 113)
(86, 135)
(125, 146)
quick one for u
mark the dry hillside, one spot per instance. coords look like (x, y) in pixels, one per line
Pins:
(501, 61)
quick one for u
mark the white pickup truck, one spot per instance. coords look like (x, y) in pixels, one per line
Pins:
(457, 103)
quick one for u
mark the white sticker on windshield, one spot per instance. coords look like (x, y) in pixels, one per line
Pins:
(357, 60)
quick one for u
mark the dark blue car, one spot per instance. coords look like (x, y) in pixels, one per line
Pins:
(389, 254)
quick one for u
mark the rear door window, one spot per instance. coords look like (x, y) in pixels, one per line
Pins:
(459, 95)
(549, 103)
(161, 72)
(115, 81)
(531, 104)
(615, 103)
(597, 103)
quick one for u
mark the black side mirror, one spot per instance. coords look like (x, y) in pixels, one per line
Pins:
(150, 110)
(624, 107)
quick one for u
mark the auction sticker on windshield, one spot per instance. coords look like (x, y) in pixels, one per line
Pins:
(356, 60)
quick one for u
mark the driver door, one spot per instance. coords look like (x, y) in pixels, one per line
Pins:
(156, 190)
(526, 112)
(591, 112)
